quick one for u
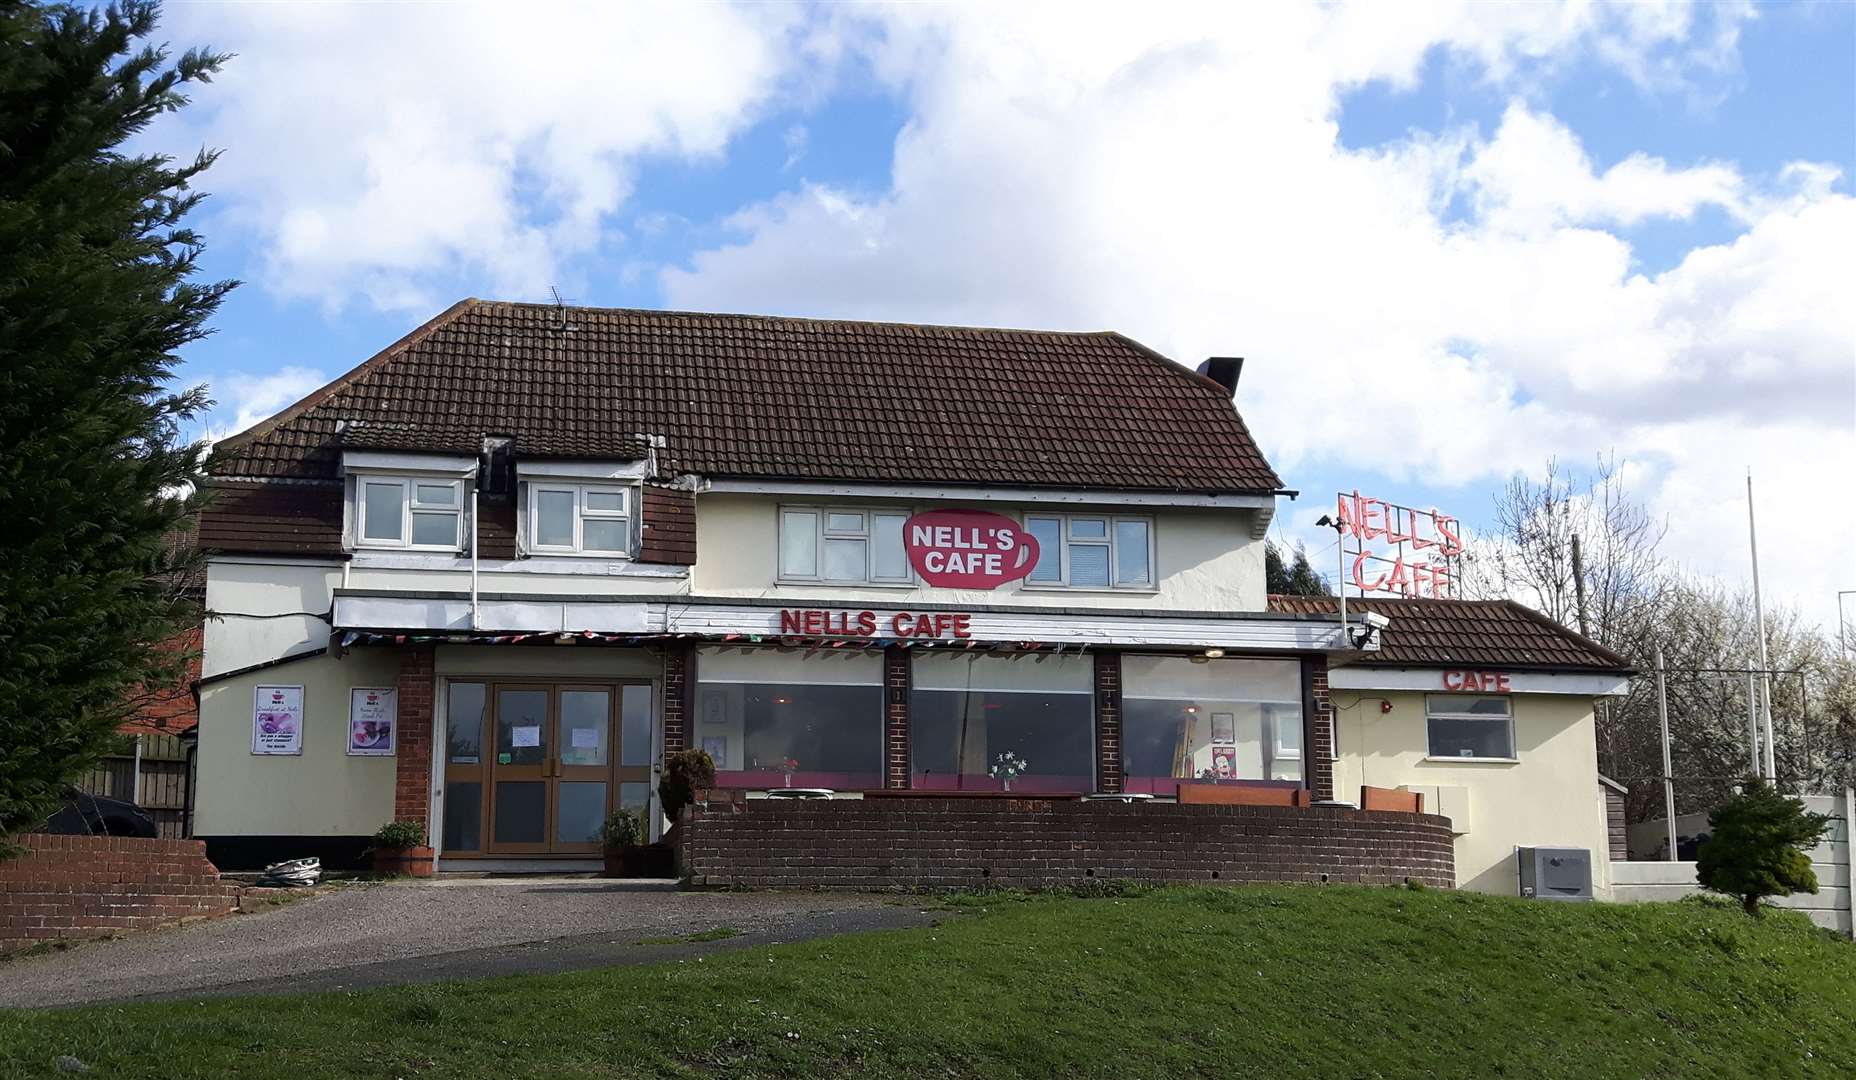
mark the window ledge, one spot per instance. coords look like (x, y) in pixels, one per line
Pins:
(1474, 760)
(1093, 590)
(810, 583)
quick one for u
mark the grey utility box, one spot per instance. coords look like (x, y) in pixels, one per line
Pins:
(1555, 873)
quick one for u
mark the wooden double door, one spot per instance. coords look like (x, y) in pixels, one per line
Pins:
(562, 757)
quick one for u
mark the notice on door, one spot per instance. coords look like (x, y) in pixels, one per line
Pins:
(586, 738)
(525, 736)
(277, 720)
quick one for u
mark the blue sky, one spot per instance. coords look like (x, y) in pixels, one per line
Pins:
(1452, 245)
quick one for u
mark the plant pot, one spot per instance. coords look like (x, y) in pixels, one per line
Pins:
(625, 862)
(404, 862)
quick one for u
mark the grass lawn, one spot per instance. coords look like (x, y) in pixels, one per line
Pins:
(1275, 982)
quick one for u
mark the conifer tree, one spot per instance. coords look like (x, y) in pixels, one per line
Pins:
(1758, 846)
(96, 300)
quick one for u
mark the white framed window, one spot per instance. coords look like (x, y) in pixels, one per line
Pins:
(1462, 727)
(850, 545)
(415, 513)
(579, 519)
(1092, 551)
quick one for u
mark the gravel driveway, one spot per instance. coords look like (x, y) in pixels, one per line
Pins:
(372, 935)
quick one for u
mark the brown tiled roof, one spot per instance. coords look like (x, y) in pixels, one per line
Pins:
(776, 398)
(1484, 633)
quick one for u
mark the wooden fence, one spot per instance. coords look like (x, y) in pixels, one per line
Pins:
(162, 792)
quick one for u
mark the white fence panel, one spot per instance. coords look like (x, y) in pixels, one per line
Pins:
(1640, 882)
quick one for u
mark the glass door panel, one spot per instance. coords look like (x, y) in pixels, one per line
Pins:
(580, 810)
(522, 765)
(586, 726)
(583, 767)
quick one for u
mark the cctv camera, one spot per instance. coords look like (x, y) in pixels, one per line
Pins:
(1376, 620)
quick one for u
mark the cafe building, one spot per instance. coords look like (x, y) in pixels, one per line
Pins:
(489, 578)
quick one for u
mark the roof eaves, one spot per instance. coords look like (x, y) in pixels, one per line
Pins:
(1584, 642)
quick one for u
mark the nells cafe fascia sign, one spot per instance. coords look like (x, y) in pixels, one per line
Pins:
(950, 549)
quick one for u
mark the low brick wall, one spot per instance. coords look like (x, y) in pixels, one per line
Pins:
(1033, 843)
(90, 886)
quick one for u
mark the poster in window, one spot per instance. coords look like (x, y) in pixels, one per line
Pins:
(1224, 762)
(716, 746)
(372, 715)
(1224, 728)
(277, 720)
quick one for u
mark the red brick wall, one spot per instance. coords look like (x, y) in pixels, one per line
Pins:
(169, 708)
(87, 886)
(679, 670)
(1321, 725)
(1035, 843)
(412, 790)
(1108, 722)
(897, 685)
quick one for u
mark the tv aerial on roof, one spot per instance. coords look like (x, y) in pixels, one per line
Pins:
(560, 307)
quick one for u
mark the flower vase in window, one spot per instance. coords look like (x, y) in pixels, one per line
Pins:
(789, 766)
(1007, 769)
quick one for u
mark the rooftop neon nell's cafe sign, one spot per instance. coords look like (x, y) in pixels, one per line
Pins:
(1423, 542)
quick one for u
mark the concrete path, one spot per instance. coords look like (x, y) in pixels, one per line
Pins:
(355, 936)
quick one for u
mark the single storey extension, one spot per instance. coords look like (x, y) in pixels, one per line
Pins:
(489, 578)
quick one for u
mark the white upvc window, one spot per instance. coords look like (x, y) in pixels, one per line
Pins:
(1465, 728)
(846, 545)
(579, 519)
(415, 513)
(1092, 551)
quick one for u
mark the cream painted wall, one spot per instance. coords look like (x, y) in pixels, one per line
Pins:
(321, 792)
(1207, 562)
(1547, 798)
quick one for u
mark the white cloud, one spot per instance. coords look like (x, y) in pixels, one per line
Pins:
(1182, 181)
(251, 398)
(382, 152)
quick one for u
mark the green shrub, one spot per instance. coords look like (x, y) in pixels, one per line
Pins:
(1757, 848)
(620, 830)
(399, 835)
(685, 773)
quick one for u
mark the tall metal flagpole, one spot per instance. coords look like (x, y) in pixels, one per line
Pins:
(1759, 619)
(1669, 784)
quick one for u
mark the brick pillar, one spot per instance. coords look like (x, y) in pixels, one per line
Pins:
(896, 687)
(1108, 722)
(1318, 727)
(412, 789)
(679, 681)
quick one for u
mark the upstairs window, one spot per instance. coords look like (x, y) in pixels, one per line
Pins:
(1473, 728)
(845, 545)
(417, 513)
(579, 519)
(1092, 551)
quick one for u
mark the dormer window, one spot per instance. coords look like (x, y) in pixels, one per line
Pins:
(580, 507)
(409, 512)
(408, 501)
(580, 519)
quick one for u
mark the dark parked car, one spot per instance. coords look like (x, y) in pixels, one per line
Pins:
(99, 815)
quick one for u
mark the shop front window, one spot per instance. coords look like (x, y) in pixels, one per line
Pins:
(966, 713)
(1229, 719)
(774, 718)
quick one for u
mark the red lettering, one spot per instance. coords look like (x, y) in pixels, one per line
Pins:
(1501, 684)
(815, 622)
(866, 623)
(790, 621)
(1453, 680)
(1449, 541)
(943, 622)
(901, 624)
(1372, 519)
(961, 624)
